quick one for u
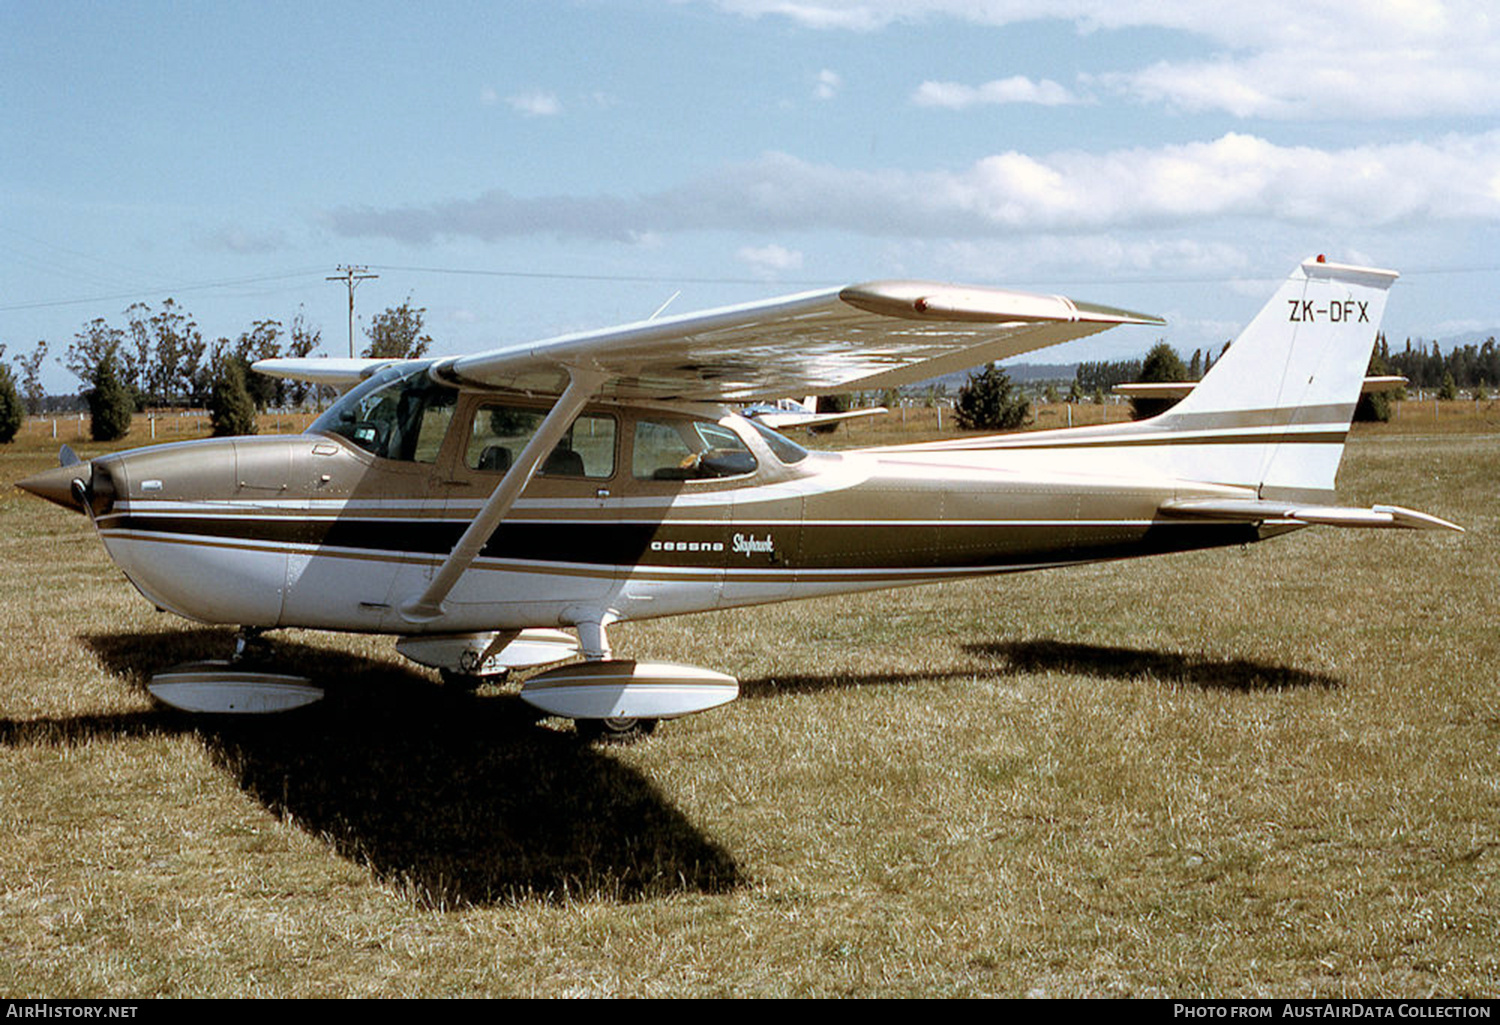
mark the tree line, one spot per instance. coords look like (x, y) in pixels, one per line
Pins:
(159, 359)
(990, 402)
(1464, 366)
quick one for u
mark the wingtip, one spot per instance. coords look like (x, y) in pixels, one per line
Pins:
(1418, 520)
(1115, 315)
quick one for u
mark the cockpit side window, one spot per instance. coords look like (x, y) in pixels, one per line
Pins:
(688, 450)
(402, 416)
(500, 431)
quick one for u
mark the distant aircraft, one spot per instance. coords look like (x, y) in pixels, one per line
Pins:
(789, 413)
(474, 506)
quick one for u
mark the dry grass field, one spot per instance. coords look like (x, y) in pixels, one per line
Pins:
(1237, 773)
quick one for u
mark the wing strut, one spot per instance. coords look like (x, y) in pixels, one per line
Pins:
(429, 604)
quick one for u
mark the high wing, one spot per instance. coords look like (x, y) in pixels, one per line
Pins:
(874, 335)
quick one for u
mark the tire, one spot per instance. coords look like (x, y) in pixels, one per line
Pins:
(469, 682)
(614, 731)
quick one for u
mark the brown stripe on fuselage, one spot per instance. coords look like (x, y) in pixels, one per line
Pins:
(783, 546)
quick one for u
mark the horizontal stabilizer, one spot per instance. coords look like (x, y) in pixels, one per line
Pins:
(1252, 510)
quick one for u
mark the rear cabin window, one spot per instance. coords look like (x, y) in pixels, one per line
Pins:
(500, 431)
(688, 450)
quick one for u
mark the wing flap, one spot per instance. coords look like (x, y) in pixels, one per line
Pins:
(1254, 510)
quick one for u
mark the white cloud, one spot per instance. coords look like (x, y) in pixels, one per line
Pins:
(1089, 256)
(1329, 23)
(836, 15)
(770, 259)
(829, 83)
(1295, 84)
(1234, 176)
(1017, 89)
(535, 103)
(1284, 59)
(488, 96)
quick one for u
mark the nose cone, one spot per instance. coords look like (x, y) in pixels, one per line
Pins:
(57, 485)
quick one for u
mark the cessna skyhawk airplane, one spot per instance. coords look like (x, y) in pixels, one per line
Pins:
(473, 505)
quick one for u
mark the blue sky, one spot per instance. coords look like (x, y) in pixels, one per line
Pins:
(529, 168)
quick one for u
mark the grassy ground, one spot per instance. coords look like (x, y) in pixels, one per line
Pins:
(1262, 772)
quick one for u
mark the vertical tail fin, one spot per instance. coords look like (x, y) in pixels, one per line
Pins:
(1285, 390)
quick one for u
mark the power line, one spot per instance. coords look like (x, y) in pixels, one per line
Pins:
(653, 279)
(146, 293)
(352, 276)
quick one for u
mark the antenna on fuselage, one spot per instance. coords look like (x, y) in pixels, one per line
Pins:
(670, 300)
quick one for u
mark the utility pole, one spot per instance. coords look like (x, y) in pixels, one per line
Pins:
(352, 276)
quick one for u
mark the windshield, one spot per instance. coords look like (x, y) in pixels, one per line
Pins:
(784, 448)
(400, 413)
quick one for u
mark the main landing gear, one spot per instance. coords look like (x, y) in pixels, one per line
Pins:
(619, 730)
(233, 687)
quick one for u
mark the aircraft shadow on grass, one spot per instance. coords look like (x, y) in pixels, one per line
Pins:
(457, 799)
(1168, 667)
(462, 799)
(1008, 658)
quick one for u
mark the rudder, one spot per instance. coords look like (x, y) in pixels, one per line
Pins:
(1286, 389)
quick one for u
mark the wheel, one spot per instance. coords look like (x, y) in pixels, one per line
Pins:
(469, 682)
(614, 731)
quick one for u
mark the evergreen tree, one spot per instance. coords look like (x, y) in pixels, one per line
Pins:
(1375, 407)
(991, 402)
(1449, 391)
(229, 406)
(1162, 364)
(11, 410)
(831, 404)
(111, 403)
(397, 333)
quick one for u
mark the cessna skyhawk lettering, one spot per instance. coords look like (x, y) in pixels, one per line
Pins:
(473, 505)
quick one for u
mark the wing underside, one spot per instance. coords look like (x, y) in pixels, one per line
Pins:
(875, 335)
